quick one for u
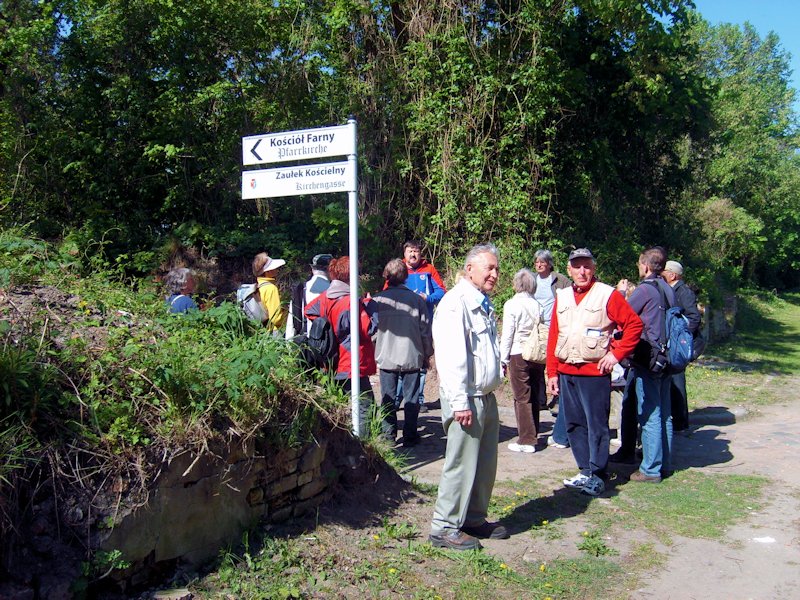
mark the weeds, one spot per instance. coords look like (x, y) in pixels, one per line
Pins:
(95, 370)
(399, 531)
(594, 545)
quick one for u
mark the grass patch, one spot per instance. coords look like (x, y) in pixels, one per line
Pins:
(529, 505)
(690, 503)
(587, 577)
(743, 370)
(710, 386)
(645, 557)
(767, 338)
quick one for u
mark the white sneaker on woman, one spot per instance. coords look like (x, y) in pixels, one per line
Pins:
(554, 444)
(515, 447)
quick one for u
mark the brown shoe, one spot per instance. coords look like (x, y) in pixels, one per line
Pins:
(454, 539)
(493, 531)
(642, 478)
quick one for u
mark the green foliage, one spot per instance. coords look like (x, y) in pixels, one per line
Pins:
(745, 191)
(612, 124)
(121, 372)
(22, 258)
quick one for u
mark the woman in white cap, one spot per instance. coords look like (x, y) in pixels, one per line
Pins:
(266, 269)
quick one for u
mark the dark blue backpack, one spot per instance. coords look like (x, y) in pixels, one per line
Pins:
(679, 340)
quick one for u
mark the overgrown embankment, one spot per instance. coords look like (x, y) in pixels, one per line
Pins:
(100, 387)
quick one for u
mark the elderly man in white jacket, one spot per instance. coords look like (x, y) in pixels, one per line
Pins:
(468, 361)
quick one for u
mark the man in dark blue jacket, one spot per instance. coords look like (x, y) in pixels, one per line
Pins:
(685, 298)
(652, 388)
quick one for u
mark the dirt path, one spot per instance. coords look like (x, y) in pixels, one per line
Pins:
(758, 558)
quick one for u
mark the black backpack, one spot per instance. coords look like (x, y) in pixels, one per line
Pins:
(298, 305)
(320, 347)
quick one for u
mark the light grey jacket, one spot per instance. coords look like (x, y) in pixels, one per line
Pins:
(403, 341)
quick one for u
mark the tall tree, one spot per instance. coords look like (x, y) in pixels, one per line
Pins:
(750, 165)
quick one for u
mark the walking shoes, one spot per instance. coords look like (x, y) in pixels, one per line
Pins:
(642, 478)
(487, 530)
(453, 539)
(526, 448)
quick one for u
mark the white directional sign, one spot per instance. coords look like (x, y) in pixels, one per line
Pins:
(297, 181)
(304, 144)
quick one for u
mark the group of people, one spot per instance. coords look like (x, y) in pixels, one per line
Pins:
(587, 329)
(394, 325)
(399, 320)
(592, 329)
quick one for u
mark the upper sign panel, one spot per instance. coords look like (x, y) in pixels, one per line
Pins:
(304, 144)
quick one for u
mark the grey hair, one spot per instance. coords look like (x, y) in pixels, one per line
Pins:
(480, 249)
(176, 279)
(523, 281)
(544, 255)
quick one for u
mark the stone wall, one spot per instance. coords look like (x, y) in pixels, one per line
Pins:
(201, 503)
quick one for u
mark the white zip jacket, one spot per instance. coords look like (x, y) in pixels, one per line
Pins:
(466, 346)
(520, 315)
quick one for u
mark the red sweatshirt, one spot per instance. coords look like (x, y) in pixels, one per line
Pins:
(619, 311)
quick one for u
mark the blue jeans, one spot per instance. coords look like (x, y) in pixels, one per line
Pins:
(655, 417)
(390, 381)
(421, 397)
(559, 432)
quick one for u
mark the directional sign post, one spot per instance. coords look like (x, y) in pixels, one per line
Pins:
(306, 144)
(320, 178)
(298, 181)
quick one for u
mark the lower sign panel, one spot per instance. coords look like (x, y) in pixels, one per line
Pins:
(299, 181)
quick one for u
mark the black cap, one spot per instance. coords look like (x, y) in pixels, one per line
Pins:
(580, 253)
(321, 261)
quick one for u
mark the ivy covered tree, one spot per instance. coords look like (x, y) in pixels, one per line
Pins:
(565, 122)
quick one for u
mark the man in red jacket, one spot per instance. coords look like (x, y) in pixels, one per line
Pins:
(582, 349)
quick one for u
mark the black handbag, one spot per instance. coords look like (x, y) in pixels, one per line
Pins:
(650, 355)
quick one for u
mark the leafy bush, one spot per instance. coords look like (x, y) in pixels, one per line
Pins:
(121, 372)
(22, 259)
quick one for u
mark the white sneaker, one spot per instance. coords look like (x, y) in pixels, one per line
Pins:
(594, 486)
(578, 482)
(552, 443)
(515, 447)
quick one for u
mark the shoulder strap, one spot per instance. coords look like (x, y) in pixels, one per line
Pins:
(535, 318)
(172, 302)
(664, 306)
(255, 291)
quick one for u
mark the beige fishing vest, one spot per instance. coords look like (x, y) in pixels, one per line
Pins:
(584, 330)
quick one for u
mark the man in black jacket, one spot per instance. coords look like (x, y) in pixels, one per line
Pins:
(685, 298)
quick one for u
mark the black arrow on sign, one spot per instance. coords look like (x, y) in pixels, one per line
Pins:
(253, 150)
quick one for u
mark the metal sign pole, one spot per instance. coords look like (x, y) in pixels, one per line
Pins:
(319, 178)
(355, 321)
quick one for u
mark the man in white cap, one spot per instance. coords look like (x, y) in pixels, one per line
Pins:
(265, 269)
(685, 298)
(581, 353)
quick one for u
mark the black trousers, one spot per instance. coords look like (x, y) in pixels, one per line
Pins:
(680, 402)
